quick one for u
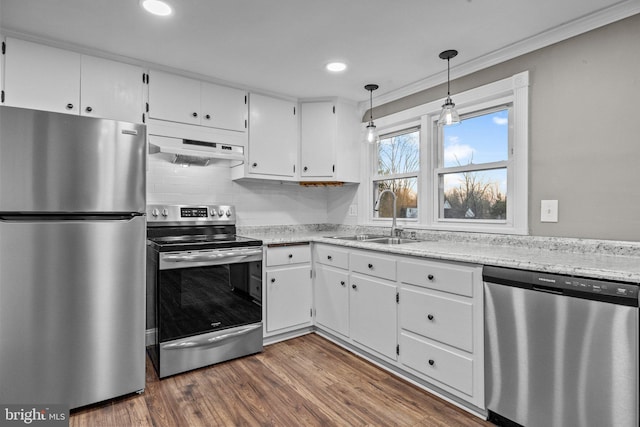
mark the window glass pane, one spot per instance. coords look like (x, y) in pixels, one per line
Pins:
(399, 153)
(406, 191)
(479, 139)
(474, 195)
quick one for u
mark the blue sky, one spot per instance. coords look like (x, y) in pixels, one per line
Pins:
(481, 139)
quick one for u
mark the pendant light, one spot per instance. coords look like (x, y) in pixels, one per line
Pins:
(372, 133)
(449, 115)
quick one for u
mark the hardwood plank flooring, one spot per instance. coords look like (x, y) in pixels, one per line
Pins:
(306, 381)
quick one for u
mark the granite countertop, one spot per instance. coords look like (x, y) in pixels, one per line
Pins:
(609, 260)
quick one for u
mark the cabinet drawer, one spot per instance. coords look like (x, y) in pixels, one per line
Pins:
(441, 319)
(363, 262)
(447, 367)
(330, 255)
(438, 276)
(285, 255)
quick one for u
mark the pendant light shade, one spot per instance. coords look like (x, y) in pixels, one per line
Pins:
(372, 133)
(449, 115)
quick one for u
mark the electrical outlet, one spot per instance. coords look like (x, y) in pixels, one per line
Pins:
(353, 210)
(548, 211)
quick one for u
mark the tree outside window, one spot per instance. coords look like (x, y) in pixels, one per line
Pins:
(398, 164)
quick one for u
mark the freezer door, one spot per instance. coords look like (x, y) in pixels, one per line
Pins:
(71, 311)
(51, 162)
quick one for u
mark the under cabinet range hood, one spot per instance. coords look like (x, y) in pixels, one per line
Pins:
(198, 153)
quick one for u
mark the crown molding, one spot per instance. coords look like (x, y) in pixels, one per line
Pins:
(565, 31)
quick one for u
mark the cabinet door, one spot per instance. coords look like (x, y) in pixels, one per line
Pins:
(373, 318)
(111, 90)
(41, 77)
(332, 299)
(223, 107)
(273, 136)
(174, 98)
(288, 297)
(317, 136)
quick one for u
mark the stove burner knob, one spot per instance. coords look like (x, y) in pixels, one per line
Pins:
(228, 213)
(220, 212)
(155, 212)
(212, 212)
(165, 212)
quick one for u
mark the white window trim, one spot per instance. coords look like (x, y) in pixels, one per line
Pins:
(513, 90)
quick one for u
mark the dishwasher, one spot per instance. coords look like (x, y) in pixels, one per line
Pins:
(560, 350)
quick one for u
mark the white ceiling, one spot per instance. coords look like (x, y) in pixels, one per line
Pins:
(281, 46)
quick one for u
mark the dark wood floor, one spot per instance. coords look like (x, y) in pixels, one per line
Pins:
(306, 381)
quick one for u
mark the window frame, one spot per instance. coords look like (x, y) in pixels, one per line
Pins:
(375, 177)
(513, 91)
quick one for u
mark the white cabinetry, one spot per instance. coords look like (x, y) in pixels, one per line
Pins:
(288, 293)
(51, 79)
(331, 288)
(329, 145)
(441, 325)
(273, 139)
(422, 317)
(183, 100)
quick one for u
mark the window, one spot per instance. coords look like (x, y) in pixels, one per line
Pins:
(467, 177)
(472, 173)
(397, 167)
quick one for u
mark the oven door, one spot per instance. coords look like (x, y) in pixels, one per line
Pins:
(205, 309)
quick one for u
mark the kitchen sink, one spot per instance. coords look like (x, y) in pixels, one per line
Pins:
(361, 237)
(391, 240)
(375, 238)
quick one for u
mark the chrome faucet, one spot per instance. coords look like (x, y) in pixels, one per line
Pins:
(376, 207)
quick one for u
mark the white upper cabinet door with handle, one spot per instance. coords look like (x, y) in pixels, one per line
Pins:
(111, 89)
(318, 137)
(174, 98)
(41, 77)
(273, 136)
(223, 107)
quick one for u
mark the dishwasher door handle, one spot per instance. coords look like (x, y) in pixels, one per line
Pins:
(547, 290)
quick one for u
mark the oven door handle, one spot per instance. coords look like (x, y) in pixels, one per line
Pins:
(211, 342)
(171, 261)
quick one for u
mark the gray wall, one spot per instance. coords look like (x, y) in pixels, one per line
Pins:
(584, 145)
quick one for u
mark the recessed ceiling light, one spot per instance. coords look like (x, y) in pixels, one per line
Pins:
(336, 67)
(156, 7)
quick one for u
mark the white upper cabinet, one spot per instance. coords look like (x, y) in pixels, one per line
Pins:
(111, 89)
(180, 99)
(318, 139)
(52, 79)
(273, 137)
(329, 142)
(223, 107)
(41, 77)
(174, 98)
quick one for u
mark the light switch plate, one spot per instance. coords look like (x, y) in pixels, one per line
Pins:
(548, 211)
(353, 210)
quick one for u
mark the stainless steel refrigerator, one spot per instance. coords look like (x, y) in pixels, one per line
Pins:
(72, 258)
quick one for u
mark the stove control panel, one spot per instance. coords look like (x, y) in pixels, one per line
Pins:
(190, 214)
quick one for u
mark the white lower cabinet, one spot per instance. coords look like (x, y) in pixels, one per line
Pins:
(288, 289)
(373, 314)
(422, 317)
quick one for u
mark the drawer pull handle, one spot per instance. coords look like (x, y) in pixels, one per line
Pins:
(430, 317)
(342, 282)
(290, 255)
(69, 106)
(329, 257)
(195, 114)
(273, 280)
(370, 265)
(430, 277)
(432, 362)
(354, 286)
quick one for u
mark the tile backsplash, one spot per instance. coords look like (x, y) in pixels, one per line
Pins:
(258, 202)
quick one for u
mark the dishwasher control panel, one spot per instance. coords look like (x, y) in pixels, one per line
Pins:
(607, 291)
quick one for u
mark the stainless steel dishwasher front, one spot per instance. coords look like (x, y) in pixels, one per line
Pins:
(560, 350)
